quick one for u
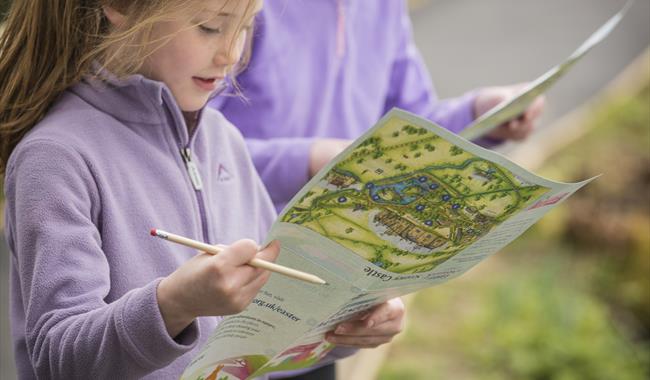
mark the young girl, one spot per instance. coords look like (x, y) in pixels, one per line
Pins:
(104, 135)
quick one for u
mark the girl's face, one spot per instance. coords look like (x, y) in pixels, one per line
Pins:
(203, 48)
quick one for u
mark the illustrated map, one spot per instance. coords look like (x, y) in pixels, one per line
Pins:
(406, 199)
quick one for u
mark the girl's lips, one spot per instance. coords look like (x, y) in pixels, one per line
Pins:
(207, 84)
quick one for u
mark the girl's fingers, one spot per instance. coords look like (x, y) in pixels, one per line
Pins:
(392, 309)
(361, 328)
(364, 333)
(269, 252)
(238, 253)
(386, 318)
(233, 261)
(359, 341)
(260, 276)
(255, 283)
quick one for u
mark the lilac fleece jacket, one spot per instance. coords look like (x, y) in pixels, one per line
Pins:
(83, 188)
(329, 68)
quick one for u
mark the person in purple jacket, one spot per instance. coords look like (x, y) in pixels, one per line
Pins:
(324, 71)
(103, 135)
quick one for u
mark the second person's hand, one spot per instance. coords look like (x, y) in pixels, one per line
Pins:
(516, 129)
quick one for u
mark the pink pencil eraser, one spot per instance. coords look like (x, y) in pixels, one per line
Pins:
(153, 232)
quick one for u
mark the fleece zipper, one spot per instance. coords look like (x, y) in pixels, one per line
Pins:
(197, 184)
(184, 143)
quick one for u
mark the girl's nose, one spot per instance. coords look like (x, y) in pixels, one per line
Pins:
(226, 57)
(229, 54)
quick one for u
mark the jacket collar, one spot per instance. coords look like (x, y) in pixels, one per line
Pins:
(134, 100)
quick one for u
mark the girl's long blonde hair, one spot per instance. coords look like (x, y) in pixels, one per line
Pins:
(48, 45)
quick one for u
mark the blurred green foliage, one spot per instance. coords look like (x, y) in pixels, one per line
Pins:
(570, 299)
(608, 222)
(536, 329)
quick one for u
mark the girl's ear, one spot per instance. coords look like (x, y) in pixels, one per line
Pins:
(116, 18)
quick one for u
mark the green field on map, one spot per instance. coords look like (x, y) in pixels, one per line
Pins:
(407, 200)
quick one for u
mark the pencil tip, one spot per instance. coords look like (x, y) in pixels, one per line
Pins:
(153, 232)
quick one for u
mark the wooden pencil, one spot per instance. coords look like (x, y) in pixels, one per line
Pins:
(257, 263)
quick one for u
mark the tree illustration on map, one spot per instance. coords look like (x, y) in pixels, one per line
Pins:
(407, 200)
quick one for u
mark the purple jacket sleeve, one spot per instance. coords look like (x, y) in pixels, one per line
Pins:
(64, 277)
(411, 86)
(283, 165)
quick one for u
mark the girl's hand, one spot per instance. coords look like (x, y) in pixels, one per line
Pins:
(213, 285)
(516, 129)
(373, 328)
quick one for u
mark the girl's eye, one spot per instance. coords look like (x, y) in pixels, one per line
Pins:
(207, 30)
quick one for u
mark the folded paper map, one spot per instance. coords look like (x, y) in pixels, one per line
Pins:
(407, 206)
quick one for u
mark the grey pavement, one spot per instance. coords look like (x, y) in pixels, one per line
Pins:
(472, 43)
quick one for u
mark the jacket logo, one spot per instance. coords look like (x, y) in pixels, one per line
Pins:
(223, 174)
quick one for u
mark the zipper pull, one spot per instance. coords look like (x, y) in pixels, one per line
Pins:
(192, 170)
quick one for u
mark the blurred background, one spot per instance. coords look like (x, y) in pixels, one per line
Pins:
(570, 299)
